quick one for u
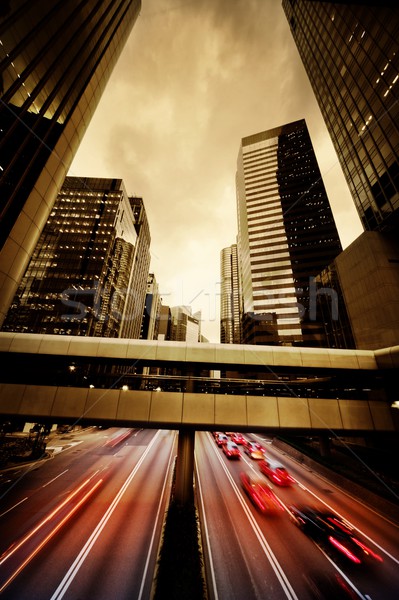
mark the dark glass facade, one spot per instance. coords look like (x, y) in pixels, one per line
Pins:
(230, 297)
(350, 51)
(80, 277)
(287, 235)
(55, 60)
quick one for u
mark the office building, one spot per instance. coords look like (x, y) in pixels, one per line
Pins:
(185, 326)
(152, 310)
(350, 53)
(55, 60)
(85, 269)
(165, 323)
(286, 236)
(366, 277)
(134, 306)
(230, 296)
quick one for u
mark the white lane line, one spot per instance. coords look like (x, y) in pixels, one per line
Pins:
(75, 567)
(54, 478)
(156, 522)
(206, 531)
(277, 568)
(15, 505)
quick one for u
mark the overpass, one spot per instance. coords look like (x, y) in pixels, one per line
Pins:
(173, 385)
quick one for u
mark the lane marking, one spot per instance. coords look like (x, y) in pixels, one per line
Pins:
(54, 478)
(78, 562)
(277, 568)
(12, 507)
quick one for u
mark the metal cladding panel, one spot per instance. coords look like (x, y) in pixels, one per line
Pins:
(166, 407)
(11, 395)
(101, 404)
(381, 414)
(325, 414)
(232, 354)
(356, 415)
(231, 410)
(109, 347)
(37, 400)
(262, 411)
(294, 413)
(199, 409)
(69, 403)
(134, 406)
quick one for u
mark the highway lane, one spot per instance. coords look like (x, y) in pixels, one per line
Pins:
(107, 548)
(247, 550)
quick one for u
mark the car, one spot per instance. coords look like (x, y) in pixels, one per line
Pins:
(238, 438)
(260, 493)
(231, 450)
(251, 448)
(332, 533)
(276, 472)
(221, 439)
(328, 586)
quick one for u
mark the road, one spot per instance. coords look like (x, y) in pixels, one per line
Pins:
(254, 556)
(87, 524)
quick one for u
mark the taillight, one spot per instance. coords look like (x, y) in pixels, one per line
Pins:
(367, 550)
(344, 550)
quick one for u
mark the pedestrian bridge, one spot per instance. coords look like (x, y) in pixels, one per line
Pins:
(175, 385)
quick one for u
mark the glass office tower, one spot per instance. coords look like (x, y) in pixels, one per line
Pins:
(351, 54)
(286, 236)
(86, 273)
(230, 296)
(55, 60)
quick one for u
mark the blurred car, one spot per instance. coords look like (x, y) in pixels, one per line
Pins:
(231, 450)
(238, 438)
(260, 493)
(221, 439)
(276, 472)
(328, 586)
(251, 448)
(332, 533)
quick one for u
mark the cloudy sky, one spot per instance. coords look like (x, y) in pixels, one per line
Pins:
(194, 78)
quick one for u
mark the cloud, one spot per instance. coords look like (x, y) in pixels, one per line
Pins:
(194, 78)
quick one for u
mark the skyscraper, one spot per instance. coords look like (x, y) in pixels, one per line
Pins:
(55, 60)
(286, 235)
(152, 310)
(86, 266)
(185, 327)
(350, 53)
(230, 297)
(135, 301)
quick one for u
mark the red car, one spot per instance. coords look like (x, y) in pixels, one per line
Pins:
(238, 438)
(231, 450)
(253, 451)
(276, 472)
(221, 439)
(260, 493)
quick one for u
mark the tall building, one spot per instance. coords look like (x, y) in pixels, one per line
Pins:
(350, 53)
(286, 236)
(152, 310)
(185, 327)
(135, 301)
(165, 323)
(55, 60)
(230, 296)
(85, 267)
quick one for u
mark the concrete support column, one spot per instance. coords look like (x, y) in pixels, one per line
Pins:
(325, 448)
(184, 490)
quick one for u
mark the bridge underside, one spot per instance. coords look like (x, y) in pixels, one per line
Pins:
(175, 410)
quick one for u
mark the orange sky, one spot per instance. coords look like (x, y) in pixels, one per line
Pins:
(194, 78)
